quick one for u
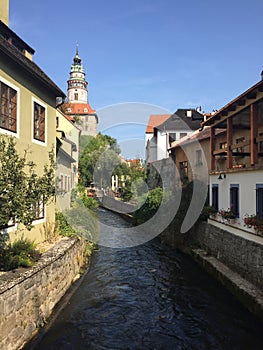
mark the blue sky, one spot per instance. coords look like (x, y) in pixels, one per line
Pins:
(163, 54)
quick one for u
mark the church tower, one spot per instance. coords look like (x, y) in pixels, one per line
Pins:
(78, 105)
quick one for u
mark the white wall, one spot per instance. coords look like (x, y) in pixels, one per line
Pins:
(247, 181)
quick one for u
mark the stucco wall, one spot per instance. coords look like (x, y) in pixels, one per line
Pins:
(28, 296)
(247, 181)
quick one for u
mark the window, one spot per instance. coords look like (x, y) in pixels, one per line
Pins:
(260, 143)
(259, 199)
(57, 122)
(183, 169)
(61, 182)
(172, 137)
(182, 134)
(39, 210)
(39, 122)
(198, 155)
(234, 199)
(76, 96)
(239, 140)
(215, 198)
(8, 110)
(223, 145)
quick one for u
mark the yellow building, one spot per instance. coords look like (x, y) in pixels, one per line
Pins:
(28, 110)
(67, 151)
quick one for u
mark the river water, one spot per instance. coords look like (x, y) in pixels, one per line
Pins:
(149, 297)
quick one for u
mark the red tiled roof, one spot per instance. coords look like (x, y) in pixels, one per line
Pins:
(79, 108)
(155, 120)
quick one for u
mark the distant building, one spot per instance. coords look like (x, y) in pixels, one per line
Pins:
(67, 149)
(162, 130)
(78, 105)
(150, 138)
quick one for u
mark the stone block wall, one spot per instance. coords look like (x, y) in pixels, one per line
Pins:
(28, 296)
(241, 254)
(117, 205)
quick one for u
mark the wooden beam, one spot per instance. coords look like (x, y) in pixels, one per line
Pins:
(212, 147)
(253, 134)
(220, 151)
(251, 95)
(240, 144)
(229, 135)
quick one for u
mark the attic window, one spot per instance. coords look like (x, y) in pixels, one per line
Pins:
(85, 110)
(69, 109)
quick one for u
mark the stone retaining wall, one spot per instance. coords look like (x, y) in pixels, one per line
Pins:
(242, 254)
(117, 205)
(28, 296)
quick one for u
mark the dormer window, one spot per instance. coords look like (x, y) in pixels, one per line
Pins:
(69, 109)
(85, 110)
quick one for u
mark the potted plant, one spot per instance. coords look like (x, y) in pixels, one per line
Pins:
(253, 221)
(208, 211)
(227, 214)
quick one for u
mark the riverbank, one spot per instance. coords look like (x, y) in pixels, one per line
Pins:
(28, 296)
(233, 258)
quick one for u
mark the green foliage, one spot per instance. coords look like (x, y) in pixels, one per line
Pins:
(151, 203)
(21, 253)
(89, 202)
(206, 212)
(99, 157)
(20, 186)
(63, 226)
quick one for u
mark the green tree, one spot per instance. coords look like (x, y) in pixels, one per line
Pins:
(98, 159)
(20, 186)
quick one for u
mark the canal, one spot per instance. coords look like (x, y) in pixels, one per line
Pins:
(149, 297)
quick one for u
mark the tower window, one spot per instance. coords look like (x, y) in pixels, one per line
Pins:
(76, 96)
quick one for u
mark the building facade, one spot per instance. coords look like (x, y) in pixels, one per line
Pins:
(236, 158)
(28, 113)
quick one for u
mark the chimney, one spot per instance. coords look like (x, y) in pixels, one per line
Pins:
(4, 11)
(189, 114)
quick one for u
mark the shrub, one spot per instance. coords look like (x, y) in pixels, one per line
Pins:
(63, 226)
(88, 202)
(206, 212)
(151, 203)
(21, 253)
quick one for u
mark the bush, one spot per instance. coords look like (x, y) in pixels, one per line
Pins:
(151, 201)
(88, 202)
(63, 226)
(206, 212)
(21, 253)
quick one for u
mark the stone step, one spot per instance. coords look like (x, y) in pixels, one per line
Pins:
(246, 292)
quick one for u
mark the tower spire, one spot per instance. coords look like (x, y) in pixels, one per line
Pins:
(77, 48)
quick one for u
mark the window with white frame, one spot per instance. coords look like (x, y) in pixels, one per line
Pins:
(8, 107)
(39, 122)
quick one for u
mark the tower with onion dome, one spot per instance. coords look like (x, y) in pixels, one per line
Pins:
(78, 104)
